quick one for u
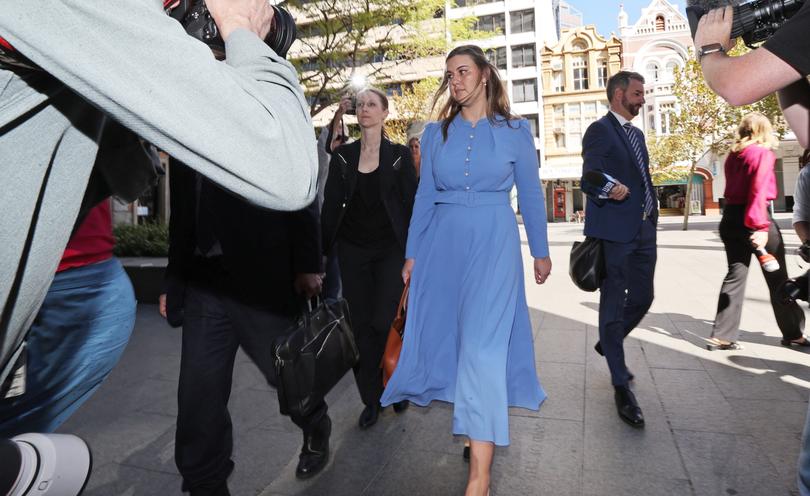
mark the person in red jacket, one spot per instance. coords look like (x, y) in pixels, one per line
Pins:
(747, 225)
(78, 335)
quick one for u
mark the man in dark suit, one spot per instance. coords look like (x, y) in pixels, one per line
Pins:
(236, 276)
(625, 222)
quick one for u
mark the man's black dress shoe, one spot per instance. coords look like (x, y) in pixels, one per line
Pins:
(401, 406)
(369, 416)
(315, 452)
(627, 406)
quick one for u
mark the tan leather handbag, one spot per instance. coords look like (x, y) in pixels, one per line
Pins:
(394, 343)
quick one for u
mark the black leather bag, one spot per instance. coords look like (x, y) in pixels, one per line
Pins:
(313, 356)
(587, 264)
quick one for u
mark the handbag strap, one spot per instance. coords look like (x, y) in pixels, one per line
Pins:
(403, 300)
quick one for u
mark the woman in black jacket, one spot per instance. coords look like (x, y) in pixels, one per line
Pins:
(367, 207)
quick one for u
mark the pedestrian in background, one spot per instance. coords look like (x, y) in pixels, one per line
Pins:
(416, 153)
(367, 207)
(801, 224)
(80, 332)
(468, 338)
(747, 225)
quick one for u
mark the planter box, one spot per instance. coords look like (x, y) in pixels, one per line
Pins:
(146, 275)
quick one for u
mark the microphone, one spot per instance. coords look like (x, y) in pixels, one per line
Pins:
(766, 260)
(597, 185)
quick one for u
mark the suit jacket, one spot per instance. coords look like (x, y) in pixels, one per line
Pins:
(606, 148)
(262, 250)
(397, 184)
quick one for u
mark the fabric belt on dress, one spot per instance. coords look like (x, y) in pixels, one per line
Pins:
(473, 198)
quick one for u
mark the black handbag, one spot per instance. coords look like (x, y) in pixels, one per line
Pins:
(587, 264)
(313, 356)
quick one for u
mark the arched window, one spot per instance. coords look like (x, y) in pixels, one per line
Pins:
(652, 71)
(660, 23)
(670, 70)
(579, 44)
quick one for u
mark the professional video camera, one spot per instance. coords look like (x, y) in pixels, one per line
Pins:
(755, 21)
(197, 20)
(44, 464)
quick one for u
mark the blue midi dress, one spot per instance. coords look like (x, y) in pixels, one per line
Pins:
(468, 338)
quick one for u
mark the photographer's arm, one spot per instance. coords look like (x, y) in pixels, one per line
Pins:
(795, 102)
(243, 123)
(739, 80)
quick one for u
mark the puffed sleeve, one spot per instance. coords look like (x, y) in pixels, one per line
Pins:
(530, 192)
(424, 203)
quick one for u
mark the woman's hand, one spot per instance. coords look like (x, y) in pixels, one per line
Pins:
(344, 106)
(542, 269)
(759, 239)
(407, 269)
(162, 305)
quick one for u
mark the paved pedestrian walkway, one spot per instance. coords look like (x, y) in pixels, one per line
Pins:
(718, 423)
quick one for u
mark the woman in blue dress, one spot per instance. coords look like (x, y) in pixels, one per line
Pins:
(468, 339)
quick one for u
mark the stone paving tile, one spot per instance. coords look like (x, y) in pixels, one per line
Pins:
(564, 385)
(561, 345)
(545, 450)
(410, 473)
(114, 479)
(728, 464)
(692, 401)
(649, 451)
(599, 483)
(676, 354)
(116, 440)
(761, 382)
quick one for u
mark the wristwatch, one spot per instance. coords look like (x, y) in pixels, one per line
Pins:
(710, 48)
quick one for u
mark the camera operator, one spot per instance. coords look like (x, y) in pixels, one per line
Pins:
(242, 122)
(69, 68)
(801, 224)
(781, 64)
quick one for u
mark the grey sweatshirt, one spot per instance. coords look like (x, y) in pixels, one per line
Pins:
(244, 123)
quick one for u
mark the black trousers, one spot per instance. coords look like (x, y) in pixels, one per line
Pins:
(626, 294)
(735, 236)
(372, 285)
(215, 325)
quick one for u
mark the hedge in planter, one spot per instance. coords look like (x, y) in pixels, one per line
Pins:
(143, 240)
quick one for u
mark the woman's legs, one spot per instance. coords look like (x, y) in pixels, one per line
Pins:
(481, 453)
(732, 293)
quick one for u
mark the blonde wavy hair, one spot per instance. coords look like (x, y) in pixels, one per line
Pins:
(754, 129)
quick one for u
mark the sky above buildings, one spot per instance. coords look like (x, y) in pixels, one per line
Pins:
(604, 13)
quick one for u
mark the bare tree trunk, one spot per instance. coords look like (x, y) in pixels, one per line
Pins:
(687, 206)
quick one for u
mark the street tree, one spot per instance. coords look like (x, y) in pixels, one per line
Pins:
(702, 123)
(339, 40)
(412, 106)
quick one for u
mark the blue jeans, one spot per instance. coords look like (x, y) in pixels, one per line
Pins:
(78, 336)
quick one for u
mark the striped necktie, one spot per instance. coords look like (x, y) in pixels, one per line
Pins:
(642, 167)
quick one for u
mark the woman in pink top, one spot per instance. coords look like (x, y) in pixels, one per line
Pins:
(747, 226)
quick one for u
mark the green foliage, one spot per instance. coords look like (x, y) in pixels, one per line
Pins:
(337, 37)
(412, 106)
(346, 34)
(702, 123)
(141, 240)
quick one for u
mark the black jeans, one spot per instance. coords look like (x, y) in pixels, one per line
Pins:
(735, 236)
(372, 285)
(215, 325)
